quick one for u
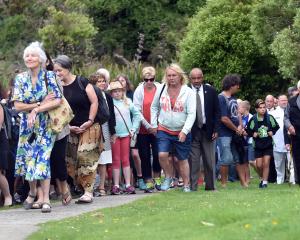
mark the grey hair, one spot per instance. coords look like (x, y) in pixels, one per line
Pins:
(298, 85)
(36, 47)
(64, 61)
(105, 73)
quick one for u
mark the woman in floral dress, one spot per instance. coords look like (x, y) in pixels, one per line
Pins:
(33, 100)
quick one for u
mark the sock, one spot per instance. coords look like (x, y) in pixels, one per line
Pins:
(265, 182)
(117, 185)
(127, 185)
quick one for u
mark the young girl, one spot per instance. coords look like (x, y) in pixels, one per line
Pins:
(262, 127)
(121, 140)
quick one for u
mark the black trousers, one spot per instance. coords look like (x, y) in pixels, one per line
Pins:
(58, 160)
(296, 156)
(147, 143)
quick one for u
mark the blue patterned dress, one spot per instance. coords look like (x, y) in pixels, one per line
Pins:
(33, 160)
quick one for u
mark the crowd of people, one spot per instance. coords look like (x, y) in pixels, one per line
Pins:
(177, 131)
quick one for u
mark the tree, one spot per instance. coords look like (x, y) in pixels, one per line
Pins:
(219, 40)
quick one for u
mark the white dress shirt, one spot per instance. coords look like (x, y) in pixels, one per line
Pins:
(201, 94)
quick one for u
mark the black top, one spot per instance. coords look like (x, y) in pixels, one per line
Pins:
(294, 114)
(79, 101)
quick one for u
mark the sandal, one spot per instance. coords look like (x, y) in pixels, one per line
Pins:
(37, 205)
(27, 205)
(66, 198)
(85, 198)
(99, 193)
(46, 207)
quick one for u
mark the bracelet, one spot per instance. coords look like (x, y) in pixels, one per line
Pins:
(91, 120)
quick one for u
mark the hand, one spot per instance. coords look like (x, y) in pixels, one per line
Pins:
(86, 125)
(131, 132)
(288, 147)
(255, 134)
(239, 130)
(270, 133)
(152, 131)
(48, 98)
(292, 130)
(181, 137)
(31, 117)
(74, 129)
(113, 138)
(214, 136)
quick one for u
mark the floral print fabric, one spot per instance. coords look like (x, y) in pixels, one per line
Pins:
(33, 159)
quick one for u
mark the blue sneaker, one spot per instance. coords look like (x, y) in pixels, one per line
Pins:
(141, 184)
(166, 184)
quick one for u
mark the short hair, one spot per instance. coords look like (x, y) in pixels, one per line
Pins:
(93, 78)
(258, 102)
(104, 73)
(230, 80)
(175, 67)
(290, 90)
(36, 47)
(298, 84)
(148, 72)
(64, 61)
(246, 104)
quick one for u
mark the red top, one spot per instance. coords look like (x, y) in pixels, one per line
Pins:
(148, 99)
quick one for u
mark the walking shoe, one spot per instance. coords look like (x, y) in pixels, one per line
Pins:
(115, 190)
(149, 188)
(264, 185)
(141, 184)
(130, 190)
(260, 185)
(166, 184)
(157, 184)
(186, 189)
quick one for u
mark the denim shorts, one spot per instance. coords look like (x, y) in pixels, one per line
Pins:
(167, 142)
(228, 153)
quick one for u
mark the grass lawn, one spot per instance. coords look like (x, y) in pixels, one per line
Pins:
(231, 213)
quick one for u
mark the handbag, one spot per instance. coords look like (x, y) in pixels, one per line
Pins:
(60, 116)
(133, 137)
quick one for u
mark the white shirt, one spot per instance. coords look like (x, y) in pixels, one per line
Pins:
(278, 138)
(201, 94)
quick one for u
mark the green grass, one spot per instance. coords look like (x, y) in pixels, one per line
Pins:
(232, 213)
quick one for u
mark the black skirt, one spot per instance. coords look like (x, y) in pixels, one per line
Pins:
(4, 148)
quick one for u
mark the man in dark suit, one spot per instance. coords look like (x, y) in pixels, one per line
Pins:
(204, 131)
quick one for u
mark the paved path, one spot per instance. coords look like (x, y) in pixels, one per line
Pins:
(17, 224)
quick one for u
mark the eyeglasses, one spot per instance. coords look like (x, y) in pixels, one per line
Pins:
(148, 79)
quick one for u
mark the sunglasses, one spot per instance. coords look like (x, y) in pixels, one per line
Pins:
(148, 79)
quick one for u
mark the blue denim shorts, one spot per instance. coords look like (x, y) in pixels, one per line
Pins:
(167, 142)
(228, 153)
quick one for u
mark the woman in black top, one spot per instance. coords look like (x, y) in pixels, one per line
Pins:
(83, 147)
(4, 148)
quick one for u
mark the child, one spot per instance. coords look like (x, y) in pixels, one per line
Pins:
(121, 140)
(262, 127)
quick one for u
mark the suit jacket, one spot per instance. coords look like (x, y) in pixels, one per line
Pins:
(212, 111)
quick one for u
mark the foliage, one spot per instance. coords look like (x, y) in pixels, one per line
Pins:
(68, 31)
(232, 213)
(219, 40)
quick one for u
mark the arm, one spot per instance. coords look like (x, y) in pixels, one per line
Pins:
(1, 116)
(217, 115)
(287, 122)
(137, 116)
(191, 112)
(93, 107)
(112, 116)
(155, 108)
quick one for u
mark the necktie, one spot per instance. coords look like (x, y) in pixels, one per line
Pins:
(199, 109)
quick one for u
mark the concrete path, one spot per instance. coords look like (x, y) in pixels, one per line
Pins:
(17, 224)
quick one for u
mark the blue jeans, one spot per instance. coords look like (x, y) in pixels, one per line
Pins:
(228, 153)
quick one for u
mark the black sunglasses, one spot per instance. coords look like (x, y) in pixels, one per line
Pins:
(148, 79)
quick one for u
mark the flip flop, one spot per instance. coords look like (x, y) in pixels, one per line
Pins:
(37, 205)
(85, 198)
(66, 198)
(46, 207)
(28, 205)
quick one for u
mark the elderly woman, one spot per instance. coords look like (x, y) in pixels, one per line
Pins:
(173, 113)
(83, 148)
(101, 79)
(146, 141)
(33, 100)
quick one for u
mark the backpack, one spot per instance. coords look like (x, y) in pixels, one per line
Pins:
(103, 111)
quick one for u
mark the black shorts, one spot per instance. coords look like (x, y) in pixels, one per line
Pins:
(259, 153)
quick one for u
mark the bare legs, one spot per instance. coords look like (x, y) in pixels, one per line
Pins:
(5, 190)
